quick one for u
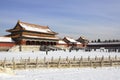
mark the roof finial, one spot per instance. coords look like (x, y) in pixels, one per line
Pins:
(18, 21)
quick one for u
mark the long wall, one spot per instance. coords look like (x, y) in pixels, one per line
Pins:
(5, 46)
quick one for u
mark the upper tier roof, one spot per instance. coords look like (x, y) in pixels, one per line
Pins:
(33, 27)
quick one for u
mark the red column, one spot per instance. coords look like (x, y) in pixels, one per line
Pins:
(23, 42)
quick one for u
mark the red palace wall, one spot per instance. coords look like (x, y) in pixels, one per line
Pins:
(6, 44)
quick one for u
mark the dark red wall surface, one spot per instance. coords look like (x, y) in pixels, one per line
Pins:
(6, 44)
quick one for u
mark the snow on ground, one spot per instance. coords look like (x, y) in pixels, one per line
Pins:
(55, 54)
(64, 74)
(61, 73)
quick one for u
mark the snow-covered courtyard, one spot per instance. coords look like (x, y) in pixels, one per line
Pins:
(56, 54)
(104, 73)
(64, 74)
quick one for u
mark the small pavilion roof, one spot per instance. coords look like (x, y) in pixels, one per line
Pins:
(62, 42)
(71, 40)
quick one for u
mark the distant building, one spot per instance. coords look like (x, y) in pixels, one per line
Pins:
(109, 46)
(71, 42)
(83, 40)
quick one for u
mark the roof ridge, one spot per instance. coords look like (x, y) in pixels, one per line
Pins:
(33, 25)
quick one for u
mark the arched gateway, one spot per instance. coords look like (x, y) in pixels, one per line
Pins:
(31, 34)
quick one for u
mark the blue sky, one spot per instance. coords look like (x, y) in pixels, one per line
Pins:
(90, 18)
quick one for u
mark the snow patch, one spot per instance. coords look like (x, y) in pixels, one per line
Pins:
(6, 70)
(6, 39)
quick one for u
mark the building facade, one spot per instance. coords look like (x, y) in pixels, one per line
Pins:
(31, 37)
(31, 34)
